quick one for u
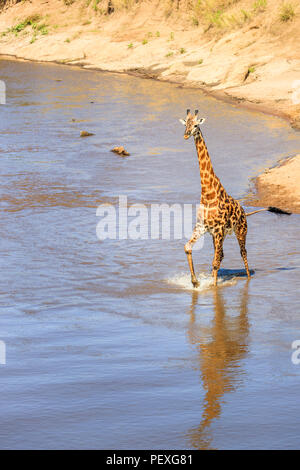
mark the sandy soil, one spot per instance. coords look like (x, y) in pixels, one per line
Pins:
(254, 60)
(247, 54)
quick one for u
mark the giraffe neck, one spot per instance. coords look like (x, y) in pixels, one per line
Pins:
(211, 188)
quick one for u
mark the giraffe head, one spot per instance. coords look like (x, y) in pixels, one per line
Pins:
(191, 123)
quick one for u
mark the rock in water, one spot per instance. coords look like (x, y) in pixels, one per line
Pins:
(120, 151)
(85, 134)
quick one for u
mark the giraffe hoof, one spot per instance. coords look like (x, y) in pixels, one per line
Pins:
(195, 283)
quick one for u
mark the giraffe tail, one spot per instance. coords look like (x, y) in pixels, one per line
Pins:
(275, 210)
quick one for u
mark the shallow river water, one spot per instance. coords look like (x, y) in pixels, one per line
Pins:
(107, 345)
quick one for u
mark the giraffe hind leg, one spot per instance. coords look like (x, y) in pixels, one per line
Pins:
(241, 233)
(222, 253)
(218, 245)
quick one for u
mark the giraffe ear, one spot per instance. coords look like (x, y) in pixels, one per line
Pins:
(201, 121)
(182, 121)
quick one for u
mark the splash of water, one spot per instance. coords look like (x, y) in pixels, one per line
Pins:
(206, 281)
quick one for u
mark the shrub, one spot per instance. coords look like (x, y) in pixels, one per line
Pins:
(259, 5)
(287, 12)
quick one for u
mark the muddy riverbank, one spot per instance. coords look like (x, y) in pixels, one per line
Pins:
(279, 186)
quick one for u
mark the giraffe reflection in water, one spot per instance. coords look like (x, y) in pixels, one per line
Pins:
(221, 346)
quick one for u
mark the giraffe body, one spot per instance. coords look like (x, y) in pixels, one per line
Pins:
(219, 214)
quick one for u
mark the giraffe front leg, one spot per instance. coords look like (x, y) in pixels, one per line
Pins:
(218, 256)
(188, 251)
(198, 231)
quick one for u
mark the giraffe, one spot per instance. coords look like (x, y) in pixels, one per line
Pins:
(219, 214)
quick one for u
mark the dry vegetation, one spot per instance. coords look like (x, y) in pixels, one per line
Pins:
(221, 16)
(248, 50)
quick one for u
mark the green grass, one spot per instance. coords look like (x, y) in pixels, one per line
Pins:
(130, 46)
(29, 21)
(216, 18)
(287, 12)
(246, 15)
(259, 5)
(33, 21)
(95, 5)
(182, 50)
(219, 14)
(145, 41)
(40, 28)
(251, 69)
(169, 54)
